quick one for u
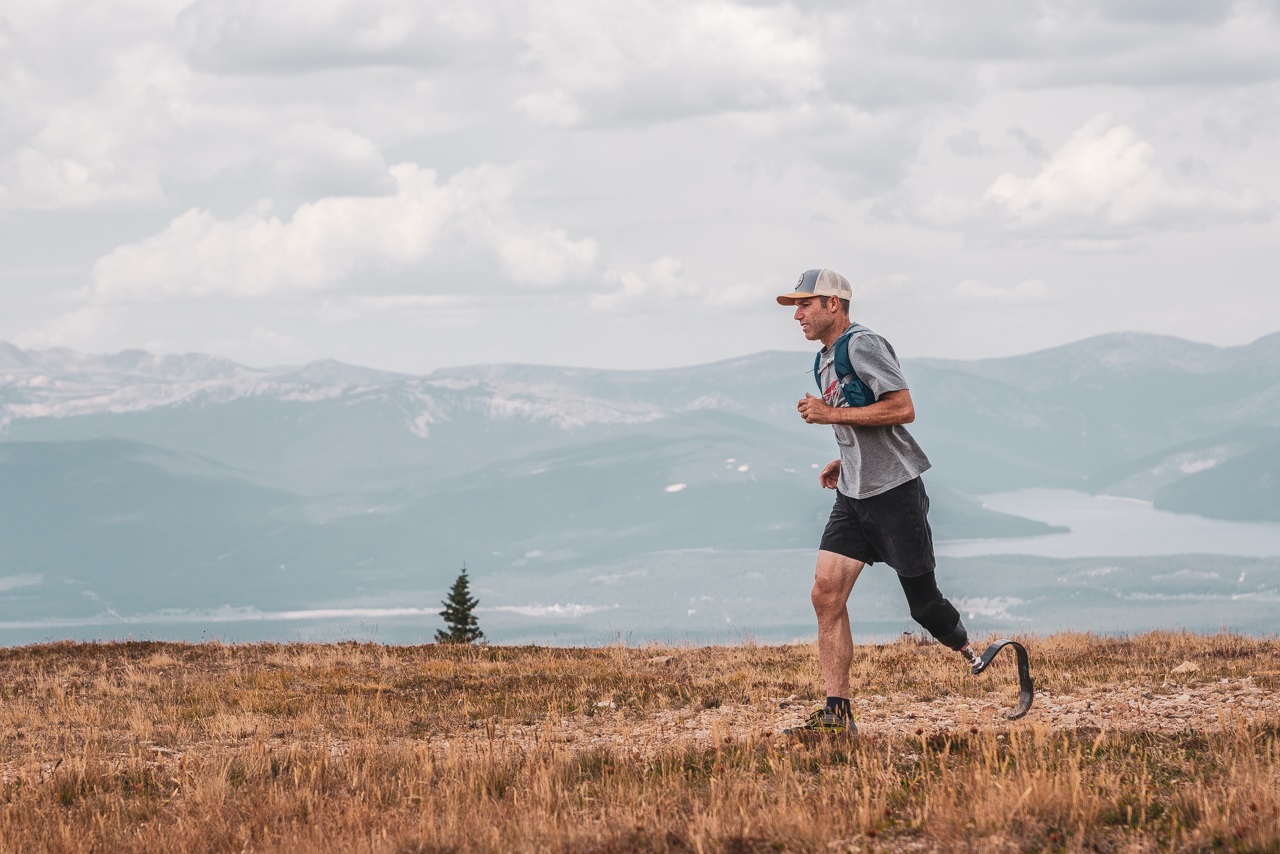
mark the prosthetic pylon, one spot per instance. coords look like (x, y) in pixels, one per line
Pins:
(1026, 687)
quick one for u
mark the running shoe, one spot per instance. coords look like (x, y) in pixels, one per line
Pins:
(823, 721)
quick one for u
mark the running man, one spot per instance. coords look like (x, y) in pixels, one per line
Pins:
(881, 509)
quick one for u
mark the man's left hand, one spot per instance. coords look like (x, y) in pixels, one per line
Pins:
(814, 410)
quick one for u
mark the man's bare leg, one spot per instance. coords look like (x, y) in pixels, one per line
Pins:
(833, 582)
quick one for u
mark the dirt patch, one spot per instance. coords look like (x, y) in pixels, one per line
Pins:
(1172, 708)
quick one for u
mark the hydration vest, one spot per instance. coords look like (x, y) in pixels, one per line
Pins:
(856, 392)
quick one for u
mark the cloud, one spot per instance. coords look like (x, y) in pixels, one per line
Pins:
(1149, 45)
(1104, 175)
(260, 340)
(968, 143)
(315, 158)
(327, 241)
(426, 311)
(643, 61)
(664, 284)
(156, 99)
(127, 119)
(35, 180)
(93, 101)
(1103, 184)
(300, 36)
(72, 329)
(1167, 11)
(661, 284)
(859, 153)
(707, 144)
(971, 292)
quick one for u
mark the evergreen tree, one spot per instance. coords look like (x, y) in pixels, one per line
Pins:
(459, 614)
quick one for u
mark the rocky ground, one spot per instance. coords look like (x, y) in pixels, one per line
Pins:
(1181, 703)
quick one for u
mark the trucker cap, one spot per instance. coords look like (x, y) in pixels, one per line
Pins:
(818, 283)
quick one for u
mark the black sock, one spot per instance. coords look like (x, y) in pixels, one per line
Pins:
(839, 706)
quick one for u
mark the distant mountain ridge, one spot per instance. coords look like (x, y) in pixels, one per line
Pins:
(38, 375)
(1070, 415)
(1064, 416)
(136, 482)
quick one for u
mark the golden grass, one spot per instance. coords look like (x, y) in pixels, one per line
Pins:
(357, 747)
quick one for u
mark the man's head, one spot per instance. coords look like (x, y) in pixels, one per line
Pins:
(821, 299)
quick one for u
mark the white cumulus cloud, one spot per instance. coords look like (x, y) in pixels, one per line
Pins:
(1104, 184)
(665, 283)
(662, 282)
(1105, 181)
(37, 180)
(646, 60)
(326, 241)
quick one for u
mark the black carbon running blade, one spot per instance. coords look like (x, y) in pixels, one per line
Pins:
(1026, 686)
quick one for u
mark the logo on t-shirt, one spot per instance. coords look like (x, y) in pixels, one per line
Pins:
(831, 395)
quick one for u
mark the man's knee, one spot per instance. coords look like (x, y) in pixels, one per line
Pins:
(829, 591)
(833, 582)
(826, 597)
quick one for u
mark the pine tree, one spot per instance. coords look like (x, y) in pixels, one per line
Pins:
(459, 614)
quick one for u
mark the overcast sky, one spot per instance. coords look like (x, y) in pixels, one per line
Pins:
(411, 184)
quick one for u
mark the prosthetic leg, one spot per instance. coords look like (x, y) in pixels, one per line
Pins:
(940, 619)
(1026, 686)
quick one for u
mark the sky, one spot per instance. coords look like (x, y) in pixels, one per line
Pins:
(415, 184)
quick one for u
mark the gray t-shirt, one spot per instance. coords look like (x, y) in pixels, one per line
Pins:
(872, 459)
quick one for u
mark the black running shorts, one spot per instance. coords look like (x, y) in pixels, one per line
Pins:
(892, 528)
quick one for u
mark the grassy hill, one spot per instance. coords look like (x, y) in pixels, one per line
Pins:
(1155, 742)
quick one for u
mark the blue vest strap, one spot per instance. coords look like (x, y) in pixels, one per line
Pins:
(856, 392)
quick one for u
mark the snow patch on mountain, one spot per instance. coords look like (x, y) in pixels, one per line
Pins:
(564, 408)
(63, 384)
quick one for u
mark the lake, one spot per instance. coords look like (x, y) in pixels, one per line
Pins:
(1123, 567)
(1106, 525)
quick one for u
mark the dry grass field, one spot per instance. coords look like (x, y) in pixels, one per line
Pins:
(1151, 743)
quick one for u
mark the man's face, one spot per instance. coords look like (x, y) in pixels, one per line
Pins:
(816, 316)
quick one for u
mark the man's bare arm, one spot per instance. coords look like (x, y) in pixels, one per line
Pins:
(894, 407)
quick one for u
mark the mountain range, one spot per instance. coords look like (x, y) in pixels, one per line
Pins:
(133, 481)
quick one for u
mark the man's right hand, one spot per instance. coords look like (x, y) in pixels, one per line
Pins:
(830, 475)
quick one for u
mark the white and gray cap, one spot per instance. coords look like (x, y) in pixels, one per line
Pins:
(818, 283)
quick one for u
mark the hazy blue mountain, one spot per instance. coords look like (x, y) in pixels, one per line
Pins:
(1068, 416)
(1243, 487)
(1146, 477)
(100, 525)
(109, 525)
(1074, 415)
(132, 484)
